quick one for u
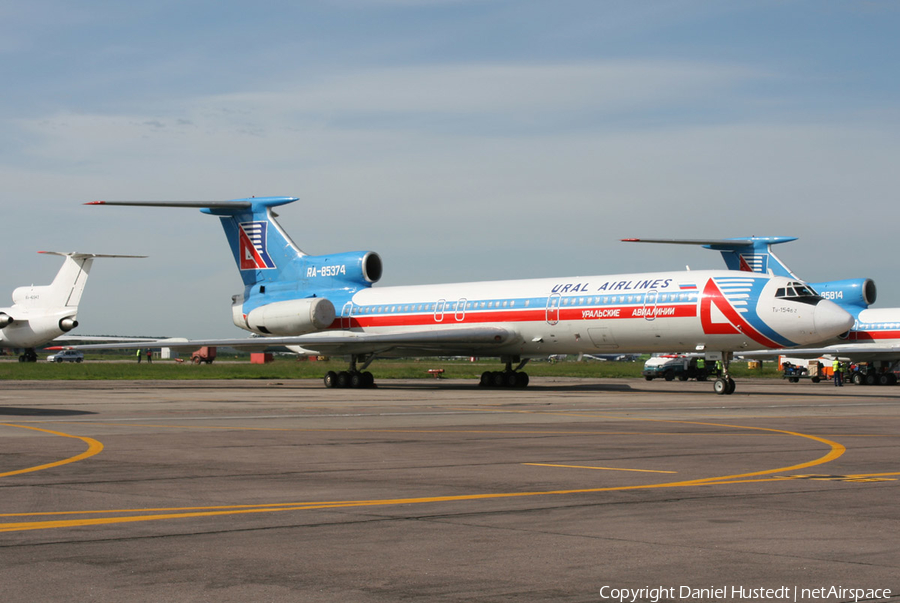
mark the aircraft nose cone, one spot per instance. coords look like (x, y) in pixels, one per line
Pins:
(831, 320)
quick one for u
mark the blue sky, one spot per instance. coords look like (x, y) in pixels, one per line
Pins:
(462, 140)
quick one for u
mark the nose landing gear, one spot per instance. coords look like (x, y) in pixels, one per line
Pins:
(724, 385)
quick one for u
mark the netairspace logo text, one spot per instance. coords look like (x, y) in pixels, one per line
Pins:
(792, 594)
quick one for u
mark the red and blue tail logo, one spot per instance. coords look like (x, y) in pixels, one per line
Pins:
(754, 262)
(252, 246)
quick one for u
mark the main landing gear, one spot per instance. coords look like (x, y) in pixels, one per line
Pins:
(355, 378)
(28, 356)
(510, 377)
(724, 385)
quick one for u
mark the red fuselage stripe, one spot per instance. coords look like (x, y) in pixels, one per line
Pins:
(529, 315)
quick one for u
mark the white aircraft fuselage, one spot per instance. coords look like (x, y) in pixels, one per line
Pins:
(648, 312)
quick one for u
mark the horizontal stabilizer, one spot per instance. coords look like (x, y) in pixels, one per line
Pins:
(719, 244)
(197, 204)
(704, 242)
(77, 255)
(223, 207)
(749, 254)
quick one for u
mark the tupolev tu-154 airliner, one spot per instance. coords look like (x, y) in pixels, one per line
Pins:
(326, 304)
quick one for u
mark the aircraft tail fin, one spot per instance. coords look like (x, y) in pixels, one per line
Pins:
(67, 287)
(263, 251)
(749, 254)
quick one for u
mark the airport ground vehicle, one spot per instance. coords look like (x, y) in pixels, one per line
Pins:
(205, 354)
(679, 366)
(866, 373)
(795, 372)
(66, 356)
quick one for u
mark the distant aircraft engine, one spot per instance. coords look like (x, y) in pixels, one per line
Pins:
(293, 317)
(5, 319)
(67, 324)
(850, 292)
(328, 271)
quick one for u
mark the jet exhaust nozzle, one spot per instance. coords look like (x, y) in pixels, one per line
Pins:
(67, 324)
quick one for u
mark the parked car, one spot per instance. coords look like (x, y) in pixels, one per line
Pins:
(676, 366)
(66, 356)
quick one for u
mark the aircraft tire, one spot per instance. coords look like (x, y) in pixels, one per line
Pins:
(330, 379)
(343, 379)
(486, 379)
(368, 379)
(720, 387)
(523, 380)
(356, 380)
(498, 379)
(731, 387)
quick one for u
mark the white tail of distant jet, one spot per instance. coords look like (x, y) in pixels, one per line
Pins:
(40, 314)
(327, 304)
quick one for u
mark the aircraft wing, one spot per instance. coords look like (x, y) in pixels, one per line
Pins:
(856, 351)
(100, 338)
(459, 341)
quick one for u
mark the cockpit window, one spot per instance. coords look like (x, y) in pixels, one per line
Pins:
(799, 292)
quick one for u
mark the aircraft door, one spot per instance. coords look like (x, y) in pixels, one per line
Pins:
(439, 310)
(461, 309)
(553, 308)
(650, 301)
(345, 315)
